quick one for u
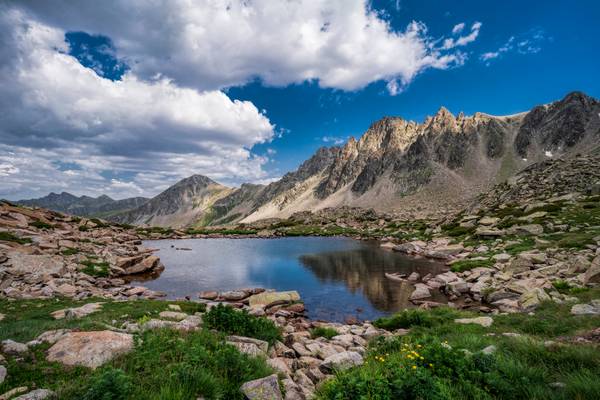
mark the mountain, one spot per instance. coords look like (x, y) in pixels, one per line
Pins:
(410, 168)
(187, 202)
(85, 206)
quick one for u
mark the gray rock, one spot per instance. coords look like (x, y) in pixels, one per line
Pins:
(586, 309)
(38, 394)
(3, 373)
(14, 348)
(491, 349)
(262, 389)
(483, 321)
(341, 361)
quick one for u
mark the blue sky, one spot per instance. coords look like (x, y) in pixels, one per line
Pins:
(102, 102)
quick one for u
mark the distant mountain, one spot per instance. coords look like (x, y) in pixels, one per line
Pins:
(187, 202)
(419, 169)
(85, 206)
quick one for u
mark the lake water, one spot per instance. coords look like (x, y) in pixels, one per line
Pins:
(336, 277)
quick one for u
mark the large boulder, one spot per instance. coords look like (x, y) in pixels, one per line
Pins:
(532, 299)
(586, 309)
(39, 265)
(149, 263)
(262, 389)
(77, 312)
(266, 299)
(90, 349)
(341, 361)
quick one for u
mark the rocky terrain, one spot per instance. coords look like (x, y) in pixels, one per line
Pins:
(44, 254)
(426, 169)
(84, 206)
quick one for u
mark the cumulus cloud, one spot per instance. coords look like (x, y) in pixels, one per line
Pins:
(343, 44)
(53, 108)
(458, 28)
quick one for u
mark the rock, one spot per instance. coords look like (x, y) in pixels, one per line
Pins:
(414, 277)
(586, 309)
(174, 307)
(592, 275)
(489, 232)
(1, 316)
(147, 264)
(78, 312)
(90, 349)
(14, 348)
(491, 349)
(66, 290)
(53, 336)
(208, 295)
(38, 394)
(532, 299)
(280, 364)
(37, 265)
(502, 257)
(234, 295)
(3, 373)
(262, 389)
(487, 221)
(518, 265)
(483, 321)
(341, 361)
(458, 286)
(13, 392)
(261, 344)
(532, 229)
(268, 298)
(178, 316)
(421, 292)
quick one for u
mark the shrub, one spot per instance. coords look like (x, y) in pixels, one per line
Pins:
(404, 320)
(99, 269)
(466, 265)
(9, 237)
(41, 225)
(322, 331)
(112, 384)
(239, 322)
(69, 251)
(561, 286)
(83, 228)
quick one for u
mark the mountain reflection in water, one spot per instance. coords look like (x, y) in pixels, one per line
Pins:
(335, 276)
(363, 271)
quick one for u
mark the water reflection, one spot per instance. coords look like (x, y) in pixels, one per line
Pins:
(363, 271)
(334, 276)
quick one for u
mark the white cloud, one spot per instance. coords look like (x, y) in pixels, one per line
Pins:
(458, 28)
(336, 140)
(343, 44)
(54, 109)
(451, 43)
(529, 43)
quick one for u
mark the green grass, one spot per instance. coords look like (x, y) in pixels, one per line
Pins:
(239, 322)
(9, 237)
(165, 364)
(99, 269)
(467, 264)
(522, 367)
(41, 225)
(322, 331)
(69, 251)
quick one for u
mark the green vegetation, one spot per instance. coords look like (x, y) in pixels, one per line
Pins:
(222, 231)
(440, 359)
(154, 229)
(99, 269)
(83, 228)
(468, 264)
(9, 237)
(69, 251)
(42, 225)
(322, 331)
(111, 384)
(239, 322)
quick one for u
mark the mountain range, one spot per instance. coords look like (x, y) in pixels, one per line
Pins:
(401, 166)
(85, 206)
